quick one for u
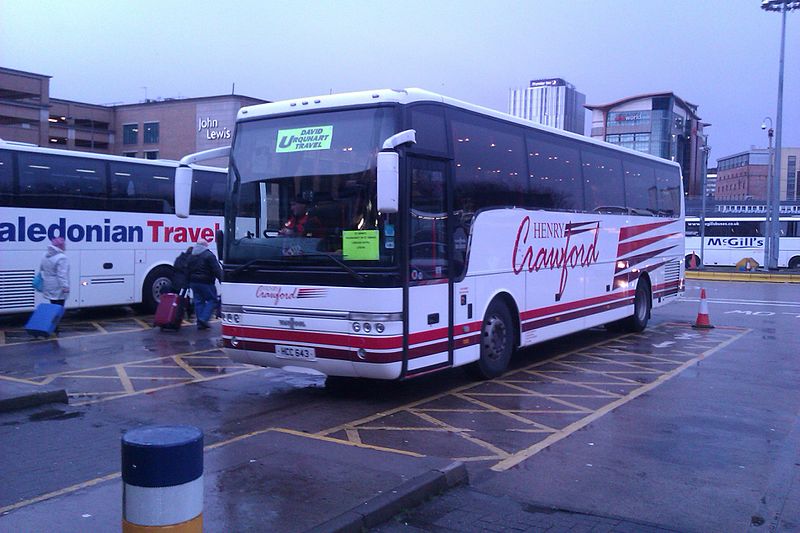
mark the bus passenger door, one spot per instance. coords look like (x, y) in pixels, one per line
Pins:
(428, 274)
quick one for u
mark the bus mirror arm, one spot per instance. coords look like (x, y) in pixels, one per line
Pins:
(219, 238)
(183, 177)
(389, 171)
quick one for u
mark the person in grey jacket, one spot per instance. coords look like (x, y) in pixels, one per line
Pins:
(55, 272)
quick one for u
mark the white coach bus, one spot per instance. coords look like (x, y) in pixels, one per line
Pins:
(116, 215)
(437, 234)
(732, 239)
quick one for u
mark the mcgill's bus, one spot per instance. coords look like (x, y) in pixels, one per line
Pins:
(732, 239)
(116, 215)
(440, 234)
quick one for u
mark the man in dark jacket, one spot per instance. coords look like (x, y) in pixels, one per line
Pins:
(203, 270)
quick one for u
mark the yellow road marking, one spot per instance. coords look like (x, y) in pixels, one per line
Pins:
(353, 436)
(124, 379)
(521, 456)
(463, 434)
(60, 492)
(100, 328)
(189, 370)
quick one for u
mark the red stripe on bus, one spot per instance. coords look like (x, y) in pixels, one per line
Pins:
(628, 232)
(631, 246)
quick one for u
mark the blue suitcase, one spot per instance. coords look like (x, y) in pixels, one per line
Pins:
(44, 320)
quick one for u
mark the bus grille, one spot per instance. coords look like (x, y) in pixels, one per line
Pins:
(16, 291)
(672, 271)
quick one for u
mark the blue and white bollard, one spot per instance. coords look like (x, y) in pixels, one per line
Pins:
(162, 475)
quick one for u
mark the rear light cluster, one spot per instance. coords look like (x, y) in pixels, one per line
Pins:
(367, 327)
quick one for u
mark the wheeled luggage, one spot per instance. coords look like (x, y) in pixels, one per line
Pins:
(44, 320)
(170, 311)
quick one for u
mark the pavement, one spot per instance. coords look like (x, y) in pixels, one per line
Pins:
(291, 481)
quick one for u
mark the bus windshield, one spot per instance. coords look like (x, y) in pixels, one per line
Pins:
(302, 191)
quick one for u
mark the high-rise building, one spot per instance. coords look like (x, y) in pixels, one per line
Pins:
(552, 102)
(661, 124)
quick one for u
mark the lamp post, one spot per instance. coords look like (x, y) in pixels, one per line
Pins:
(774, 201)
(705, 149)
(768, 218)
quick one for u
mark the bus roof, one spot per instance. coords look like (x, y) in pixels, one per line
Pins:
(407, 96)
(27, 147)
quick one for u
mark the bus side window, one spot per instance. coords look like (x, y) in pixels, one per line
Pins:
(602, 179)
(6, 180)
(555, 173)
(62, 182)
(640, 188)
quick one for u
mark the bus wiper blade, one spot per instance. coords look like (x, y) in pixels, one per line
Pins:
(249, 264)
(359, 277)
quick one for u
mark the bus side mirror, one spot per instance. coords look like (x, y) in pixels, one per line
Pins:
(389, 171)
(388, 182)
(183, 191)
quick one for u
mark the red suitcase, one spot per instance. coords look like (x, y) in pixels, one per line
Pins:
(170, 311)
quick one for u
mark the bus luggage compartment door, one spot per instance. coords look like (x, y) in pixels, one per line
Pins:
(106, 277)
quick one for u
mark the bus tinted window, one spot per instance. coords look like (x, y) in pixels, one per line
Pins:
(669, 191)
(640, 188)
(490, 163)
(6, 179)
(141, 188)
(555, 172)
(428, 121)
(208, 193)
(64, 182)
(604, 188)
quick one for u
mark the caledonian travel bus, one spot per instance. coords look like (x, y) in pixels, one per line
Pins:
(429, 233)
(115, 213)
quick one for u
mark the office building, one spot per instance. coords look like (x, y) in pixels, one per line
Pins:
(153, 129)
(661, 124)
(552, 102)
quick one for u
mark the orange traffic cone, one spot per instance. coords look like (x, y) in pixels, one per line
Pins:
(693, 262)
(702, 316)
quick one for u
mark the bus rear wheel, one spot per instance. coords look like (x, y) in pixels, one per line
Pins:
(794, 262)
(156, 282)
(497, 343)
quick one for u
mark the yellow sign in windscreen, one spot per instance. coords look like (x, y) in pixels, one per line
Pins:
(302, 139)
(360, 245)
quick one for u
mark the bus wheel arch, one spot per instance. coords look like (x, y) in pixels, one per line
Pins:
(156, 281)
(499, 338)
(794, 262)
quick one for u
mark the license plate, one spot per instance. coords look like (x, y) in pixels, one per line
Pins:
(295, 352)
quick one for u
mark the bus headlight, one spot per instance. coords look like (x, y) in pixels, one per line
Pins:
(356, 327)
(379, 327)
(367, 327)
(362, 353)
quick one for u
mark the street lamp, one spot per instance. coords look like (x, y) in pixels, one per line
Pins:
(768, 218)
(774, 201)
(705, 149)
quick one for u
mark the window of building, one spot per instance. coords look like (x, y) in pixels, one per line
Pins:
(58, 140)
(151, 154)
(791, 183)
(130, 134)
(150, 132)
(129, 154)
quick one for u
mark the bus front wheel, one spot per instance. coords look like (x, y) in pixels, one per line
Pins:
(156, 282)
(794, 262)
(497, 343)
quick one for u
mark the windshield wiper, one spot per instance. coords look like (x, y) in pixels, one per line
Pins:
(358, 277)
(251, 263)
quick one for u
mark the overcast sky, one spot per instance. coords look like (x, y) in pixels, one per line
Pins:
(721, 55)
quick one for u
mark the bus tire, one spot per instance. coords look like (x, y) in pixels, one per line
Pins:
(794, 262)
(497, 343)
(642, 303)
(159, 279)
